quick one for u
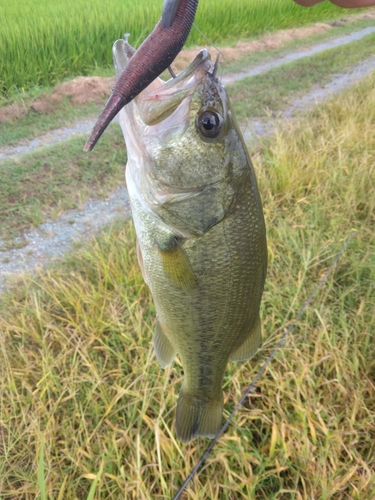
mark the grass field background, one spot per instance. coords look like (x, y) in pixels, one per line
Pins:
(79, 380)
(42, 43)
(85, 410)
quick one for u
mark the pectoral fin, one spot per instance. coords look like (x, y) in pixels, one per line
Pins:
(164, 350)
(250, 346)
(176, 264)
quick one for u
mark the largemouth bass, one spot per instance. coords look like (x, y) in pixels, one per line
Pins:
(201, 240)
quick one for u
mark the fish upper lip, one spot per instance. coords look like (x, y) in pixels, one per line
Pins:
(202, 56)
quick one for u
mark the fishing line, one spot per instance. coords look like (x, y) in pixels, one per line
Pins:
(252, 386)
(208, 40)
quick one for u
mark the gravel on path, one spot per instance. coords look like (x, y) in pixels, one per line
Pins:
(51, 240)
(58, 135)
(339, 81)
(299, 54)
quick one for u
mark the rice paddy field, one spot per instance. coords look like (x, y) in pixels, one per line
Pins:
(49, 41)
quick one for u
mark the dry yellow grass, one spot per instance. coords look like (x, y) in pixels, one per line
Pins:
(78, 375)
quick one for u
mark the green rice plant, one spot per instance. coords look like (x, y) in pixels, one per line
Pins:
(78, 372)
(42, 43)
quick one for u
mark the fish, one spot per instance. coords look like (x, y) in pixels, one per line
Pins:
(154, 56)
(201, 237)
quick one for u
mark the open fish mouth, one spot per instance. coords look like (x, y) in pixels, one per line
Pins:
(160, 99)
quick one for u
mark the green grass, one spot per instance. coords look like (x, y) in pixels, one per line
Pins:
(80, 386)
(46, 183)
(258, 95)
(50, 42)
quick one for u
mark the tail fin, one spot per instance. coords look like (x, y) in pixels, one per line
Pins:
(196, 417)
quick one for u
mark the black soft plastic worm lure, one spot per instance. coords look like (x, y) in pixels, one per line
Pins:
(153, 57)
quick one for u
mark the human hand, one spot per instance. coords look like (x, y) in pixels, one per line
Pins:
(349, 4)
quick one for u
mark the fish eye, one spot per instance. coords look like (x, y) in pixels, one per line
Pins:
(209, 123)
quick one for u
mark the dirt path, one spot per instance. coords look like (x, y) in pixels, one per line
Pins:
(81, 127)
(300, 54)
(54, 238)
(339, 82)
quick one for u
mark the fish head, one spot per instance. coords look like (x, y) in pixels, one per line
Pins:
(180, 134)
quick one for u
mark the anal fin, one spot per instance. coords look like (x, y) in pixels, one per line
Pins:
(164, 350)
(250, 345)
